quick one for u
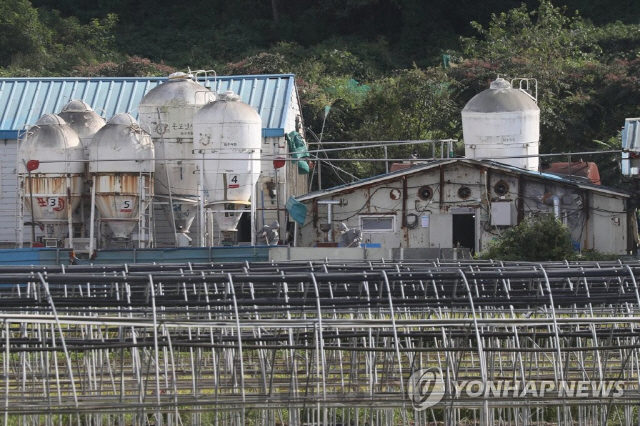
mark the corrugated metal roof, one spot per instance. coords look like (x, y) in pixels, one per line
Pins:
(429, 165)
(631, 135)
(24, 100)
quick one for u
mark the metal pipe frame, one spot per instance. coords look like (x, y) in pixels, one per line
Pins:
(331, 343)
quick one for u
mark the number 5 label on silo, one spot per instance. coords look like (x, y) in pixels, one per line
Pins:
(126, 206)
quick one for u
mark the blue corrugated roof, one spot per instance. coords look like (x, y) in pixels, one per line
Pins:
(24, 100)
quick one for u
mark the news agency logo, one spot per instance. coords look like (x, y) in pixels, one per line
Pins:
(426, 388)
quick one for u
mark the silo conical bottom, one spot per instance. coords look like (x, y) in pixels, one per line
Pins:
(227, 214)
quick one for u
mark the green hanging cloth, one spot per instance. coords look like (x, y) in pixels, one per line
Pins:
(298, 149)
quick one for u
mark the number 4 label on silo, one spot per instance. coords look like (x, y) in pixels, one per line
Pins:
(126, 206)
(234, 181)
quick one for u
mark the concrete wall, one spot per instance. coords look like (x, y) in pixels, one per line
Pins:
(313, 253)
(347, 254)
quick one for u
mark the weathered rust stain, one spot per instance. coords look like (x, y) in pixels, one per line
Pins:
(52, 185)
(121, 184)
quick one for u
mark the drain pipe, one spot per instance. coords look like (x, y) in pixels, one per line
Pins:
(330, 204)
(553, 200)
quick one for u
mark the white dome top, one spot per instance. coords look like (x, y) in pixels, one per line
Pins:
(123, 119)
(77, 106)
(52, 141)
(50, 120)
(121, 146)
(228, 108)
(501, 97)
(82, 118)
(178, 90)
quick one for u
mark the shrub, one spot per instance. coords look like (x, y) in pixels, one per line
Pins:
(539, 238)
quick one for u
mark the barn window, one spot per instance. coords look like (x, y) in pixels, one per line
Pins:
(378, 223)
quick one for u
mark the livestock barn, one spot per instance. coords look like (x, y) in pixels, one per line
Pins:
(435, 206)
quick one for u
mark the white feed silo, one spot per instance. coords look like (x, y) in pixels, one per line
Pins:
(121, 164)
(502, 122)
(228, 134)
(86, 123)
(83, 120)
(54, 155)
(167, 112)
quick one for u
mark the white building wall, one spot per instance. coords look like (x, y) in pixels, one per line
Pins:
(10, 199)
(607, 224)
(9, 196)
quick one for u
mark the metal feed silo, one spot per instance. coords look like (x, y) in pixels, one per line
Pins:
(502, 122)
(167, 112)
(51, 170)
(121, 164)
(227, 135)
(86, 123)
(83, 120)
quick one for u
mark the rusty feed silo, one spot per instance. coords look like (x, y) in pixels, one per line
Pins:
(502, 123)
(121, 164)
(53, 154)
(167, 112)
(228, 132)
(85, 122)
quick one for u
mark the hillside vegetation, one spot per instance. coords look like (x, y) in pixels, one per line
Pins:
(389, 69)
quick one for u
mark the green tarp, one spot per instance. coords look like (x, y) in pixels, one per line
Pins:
(298, 149)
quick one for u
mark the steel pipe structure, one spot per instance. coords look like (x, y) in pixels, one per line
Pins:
(323, 343)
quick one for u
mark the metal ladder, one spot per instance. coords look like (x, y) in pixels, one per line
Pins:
(145, 210)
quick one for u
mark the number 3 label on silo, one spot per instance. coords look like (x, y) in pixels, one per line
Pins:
(126, 206)
(234, 182)
(55, 203)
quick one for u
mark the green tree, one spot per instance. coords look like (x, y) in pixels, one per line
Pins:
(23, 37)
(43, 42)
(410, 105)
(74, 44)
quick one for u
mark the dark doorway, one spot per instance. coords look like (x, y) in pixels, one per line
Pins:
(244, 228)
(464, 231)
